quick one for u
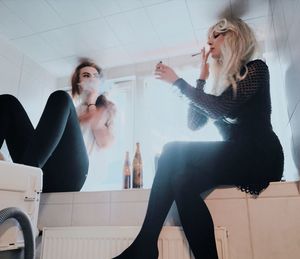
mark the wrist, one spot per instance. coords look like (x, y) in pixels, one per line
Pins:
(177, 81)
(174, 80)
(203, 77)
(200, 83)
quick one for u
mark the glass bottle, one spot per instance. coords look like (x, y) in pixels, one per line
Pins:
(137, 168)
(126, 172)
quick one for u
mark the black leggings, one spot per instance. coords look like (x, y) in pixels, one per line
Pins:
(188, 169)
(56, 145)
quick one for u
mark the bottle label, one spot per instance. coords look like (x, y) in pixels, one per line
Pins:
(137, 170)
(126, 172)
(137, 177)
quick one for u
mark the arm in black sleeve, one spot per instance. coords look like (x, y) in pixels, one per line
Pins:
(196, 117)
(226, 104)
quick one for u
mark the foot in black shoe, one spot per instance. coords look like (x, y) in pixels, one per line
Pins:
(131, 253)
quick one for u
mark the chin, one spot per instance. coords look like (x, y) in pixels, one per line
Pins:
(215, 56)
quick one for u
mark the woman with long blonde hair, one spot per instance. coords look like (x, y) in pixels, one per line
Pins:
(249, 157)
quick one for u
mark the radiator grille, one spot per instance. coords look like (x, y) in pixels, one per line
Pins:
(107, 242)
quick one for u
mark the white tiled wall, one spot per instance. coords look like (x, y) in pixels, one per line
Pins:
(23, 78)
(106, 208)
(286, 48)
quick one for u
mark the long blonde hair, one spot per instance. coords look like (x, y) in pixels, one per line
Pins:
(237, 50)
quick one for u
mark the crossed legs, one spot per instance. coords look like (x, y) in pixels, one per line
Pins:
(185, 170)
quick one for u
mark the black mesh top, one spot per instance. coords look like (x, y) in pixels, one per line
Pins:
(250, 108)
(245, 116)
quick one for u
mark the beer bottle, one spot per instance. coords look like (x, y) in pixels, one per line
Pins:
(137, 168)
(126, 172)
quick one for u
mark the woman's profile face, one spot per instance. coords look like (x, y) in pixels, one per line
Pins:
(215, 41)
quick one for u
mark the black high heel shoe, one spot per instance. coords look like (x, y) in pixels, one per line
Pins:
(141, 253)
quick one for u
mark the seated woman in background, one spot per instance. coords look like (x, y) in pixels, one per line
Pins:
(57, 145)
(249, 157)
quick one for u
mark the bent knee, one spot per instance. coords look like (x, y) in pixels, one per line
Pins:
(60, 94)
(7, 101)
(173, 151)
(172, 147)
(7, 98)
(60, 97)
(168, 153)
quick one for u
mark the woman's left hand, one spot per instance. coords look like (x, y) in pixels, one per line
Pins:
(103, 125)
(88, 114)
(204, 67)
(165, 73)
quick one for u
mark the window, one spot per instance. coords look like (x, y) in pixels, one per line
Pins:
(105, 170)
(162, 118)
(149, 112)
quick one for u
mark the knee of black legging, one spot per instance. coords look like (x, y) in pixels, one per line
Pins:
(169, 153)
(8, 100)
(170, 146)
(60, 97)
(167, 162)
(60, 94)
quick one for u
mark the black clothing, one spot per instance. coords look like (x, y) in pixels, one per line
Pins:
(56, 145)
(243, 119)
(249, 157)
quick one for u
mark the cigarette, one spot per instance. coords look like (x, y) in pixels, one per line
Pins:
(196, 54)
(158, 65)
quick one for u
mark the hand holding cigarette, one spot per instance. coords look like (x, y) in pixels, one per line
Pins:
(165, 73)
(204, 67)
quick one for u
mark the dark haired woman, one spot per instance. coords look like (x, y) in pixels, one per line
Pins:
(65, 134)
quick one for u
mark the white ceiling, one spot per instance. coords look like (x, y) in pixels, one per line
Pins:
(55, 33)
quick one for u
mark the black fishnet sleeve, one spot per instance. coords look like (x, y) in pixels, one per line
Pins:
(226, 104)
(196, 117)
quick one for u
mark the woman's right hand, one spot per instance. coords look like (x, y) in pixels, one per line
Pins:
(165, 73)
(204, 67)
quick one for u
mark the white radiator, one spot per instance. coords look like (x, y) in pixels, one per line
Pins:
(108, 241)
